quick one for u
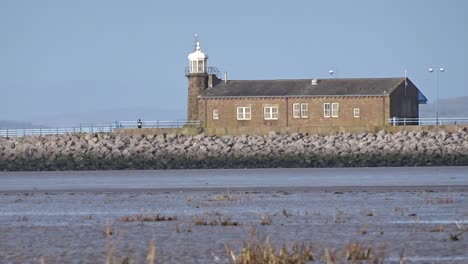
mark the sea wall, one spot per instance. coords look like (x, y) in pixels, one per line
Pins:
(105, 151)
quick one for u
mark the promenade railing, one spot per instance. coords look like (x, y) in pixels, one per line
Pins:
(427, 121)
(158, 124)
(94, 128)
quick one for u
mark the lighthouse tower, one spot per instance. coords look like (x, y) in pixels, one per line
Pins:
(197, 75)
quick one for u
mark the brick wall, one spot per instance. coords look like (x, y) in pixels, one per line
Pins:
(196, 83)
(374, 110)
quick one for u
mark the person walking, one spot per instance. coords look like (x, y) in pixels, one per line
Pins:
(139, 123)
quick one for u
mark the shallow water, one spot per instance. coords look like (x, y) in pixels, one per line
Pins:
(63, 215)
(234, 178)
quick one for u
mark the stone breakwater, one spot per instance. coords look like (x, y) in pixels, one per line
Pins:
(105, 151)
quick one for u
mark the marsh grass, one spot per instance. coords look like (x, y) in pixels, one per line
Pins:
(368, 212)
(460, 231)
(264, 251)
(226, 198)
(253, 252)
(147, 218)
(438, 228)
(108, 230)
(151, 256)
(340, 217)
(266, 219)
(113, 258)
(441, 200)
(215, 221)
(356, 251)
(400, 211)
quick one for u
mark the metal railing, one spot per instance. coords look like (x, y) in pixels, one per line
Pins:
(209, 70)
(95, 128)
(20, 132)
(396, 121)
(157, 124)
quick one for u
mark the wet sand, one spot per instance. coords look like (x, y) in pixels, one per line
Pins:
(409, 211)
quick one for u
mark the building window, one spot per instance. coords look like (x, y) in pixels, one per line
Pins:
(216, 114)
(300, 110)
(244, 113)
(304, 110)
(270, 112)
(296, 110)
(334, 109)
(357, 112)
(326, 110)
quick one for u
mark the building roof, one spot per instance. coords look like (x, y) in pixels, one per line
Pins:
(290, 88)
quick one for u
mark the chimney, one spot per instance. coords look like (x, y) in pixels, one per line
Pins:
(213, 80)
(314, 82)
(225, 77)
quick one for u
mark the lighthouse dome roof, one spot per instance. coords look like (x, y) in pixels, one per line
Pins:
(197, 54)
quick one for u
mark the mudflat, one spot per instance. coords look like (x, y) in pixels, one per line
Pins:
(415, 214)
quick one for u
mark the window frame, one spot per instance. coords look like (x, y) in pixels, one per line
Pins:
(271, 115)
(245, 115)
(200, 66)
(297, 112)
(358, 115)
(326, 112)
(215, 114)
(335, 112)
(304, 110)
(194, 66)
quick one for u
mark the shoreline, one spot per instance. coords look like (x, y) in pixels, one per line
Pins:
(106, 151)
(328, 189)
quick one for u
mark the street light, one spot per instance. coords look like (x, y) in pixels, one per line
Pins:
(331, 72)
(431, 70)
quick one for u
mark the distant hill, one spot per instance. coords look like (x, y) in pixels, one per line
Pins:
(106, 116)
(18, 124)
(449, 107)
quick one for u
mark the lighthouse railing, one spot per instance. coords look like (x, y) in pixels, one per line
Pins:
(209, 70)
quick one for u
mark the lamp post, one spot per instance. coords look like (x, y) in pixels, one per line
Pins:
(431, 70)
(331, 72)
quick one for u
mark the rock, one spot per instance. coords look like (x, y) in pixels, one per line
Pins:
(106, 151)
(126, 140)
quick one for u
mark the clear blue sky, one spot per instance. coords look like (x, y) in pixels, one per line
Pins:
(59, 56)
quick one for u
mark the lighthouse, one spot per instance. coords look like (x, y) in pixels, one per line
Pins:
(200, 77)
(197, 79)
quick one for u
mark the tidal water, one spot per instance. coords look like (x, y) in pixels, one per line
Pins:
(62, 217)
(233, 178)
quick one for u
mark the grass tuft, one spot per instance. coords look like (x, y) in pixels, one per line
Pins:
(219, 221)
(438, 228)
(266, 219)
(265, 252)
(368, 212)
(151, 256)
(147, 218)
(355, 252)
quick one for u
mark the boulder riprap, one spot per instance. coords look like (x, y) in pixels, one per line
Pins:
(105, 151)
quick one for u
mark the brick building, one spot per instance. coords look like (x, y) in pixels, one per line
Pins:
(259, 106)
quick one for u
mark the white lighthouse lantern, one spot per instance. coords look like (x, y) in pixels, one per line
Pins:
(197, 59)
